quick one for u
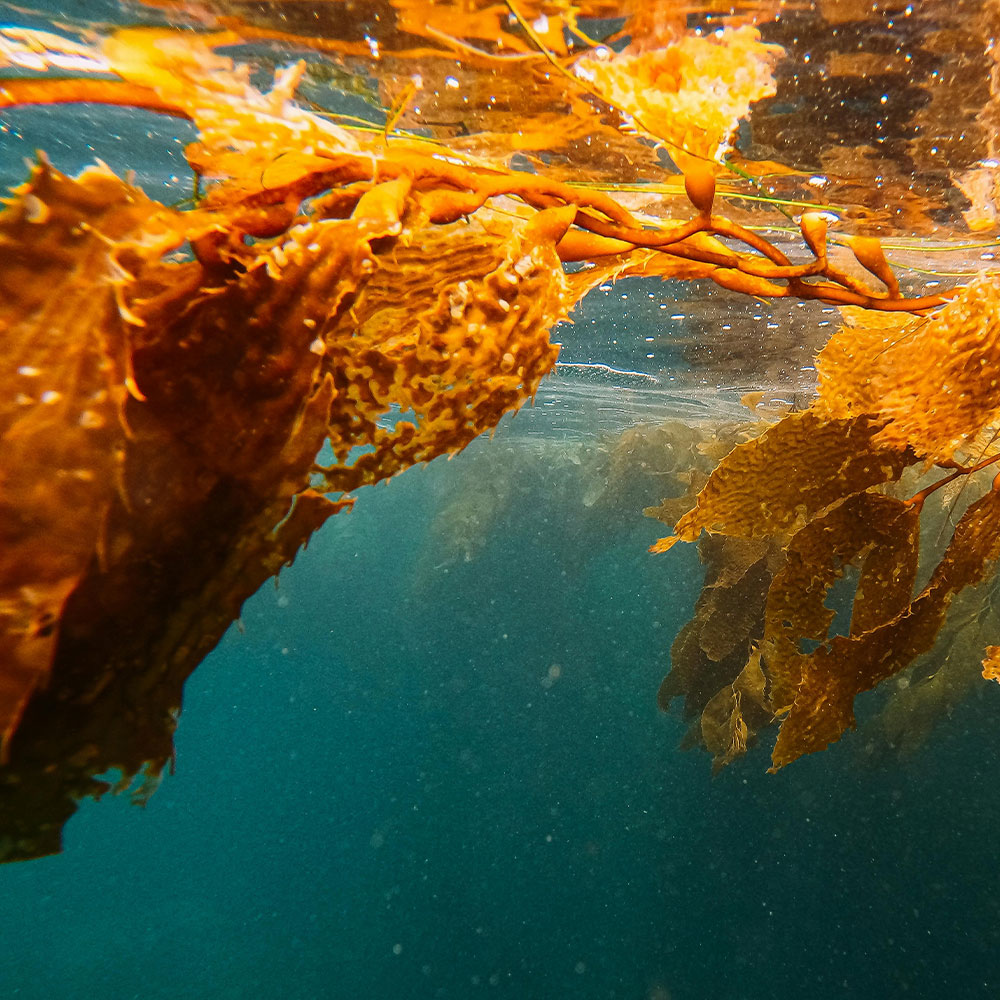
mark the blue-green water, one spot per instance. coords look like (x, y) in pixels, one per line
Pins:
(383, 791)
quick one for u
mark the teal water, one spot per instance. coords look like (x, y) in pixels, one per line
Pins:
(382, 790)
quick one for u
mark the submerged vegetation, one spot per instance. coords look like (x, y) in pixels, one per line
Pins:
(388, 289)
(816, 488)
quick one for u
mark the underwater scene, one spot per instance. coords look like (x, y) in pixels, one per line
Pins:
(499, 499)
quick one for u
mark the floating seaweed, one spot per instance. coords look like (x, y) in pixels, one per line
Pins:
(172, 372)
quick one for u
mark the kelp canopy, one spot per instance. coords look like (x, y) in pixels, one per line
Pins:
(380, 288)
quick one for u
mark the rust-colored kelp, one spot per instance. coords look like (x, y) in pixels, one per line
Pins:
(824, 486)
(172, 372)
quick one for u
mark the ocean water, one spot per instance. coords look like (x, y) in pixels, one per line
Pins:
(383, 789)
(428, 761)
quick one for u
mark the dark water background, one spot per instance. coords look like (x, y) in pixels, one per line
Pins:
(382, 792)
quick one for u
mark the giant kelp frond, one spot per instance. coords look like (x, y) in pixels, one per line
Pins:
(270, 153)
(894, 392)
(689, 94)
(146, 387)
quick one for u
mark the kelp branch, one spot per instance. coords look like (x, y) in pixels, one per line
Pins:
(601, 226)
(918, 499)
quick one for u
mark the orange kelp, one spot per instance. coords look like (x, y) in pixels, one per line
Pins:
(173, 373)
(823, 485)
(888, 118)
(160, 439)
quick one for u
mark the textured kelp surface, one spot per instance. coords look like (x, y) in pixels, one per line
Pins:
(824, 486)
(188, 489)
(386, 290)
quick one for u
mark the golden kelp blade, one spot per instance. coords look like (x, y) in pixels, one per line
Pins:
(714, 646)
(453, 353)
(877, 532)
(834, 675)
(62, 360)
(690, 94)
(933, 381)
(794, 470)
(712, 658)
(733, 717)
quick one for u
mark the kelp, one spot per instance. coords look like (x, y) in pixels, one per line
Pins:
(183, 396)
(384, 297)
(886, 119)
(825, 486)
(711, 653)
(934, 689)
(757, 490)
